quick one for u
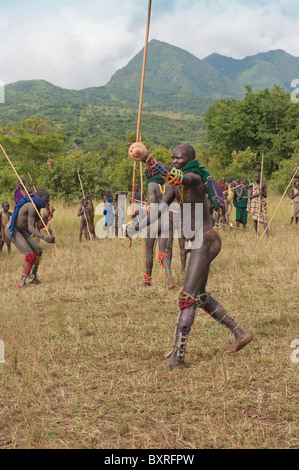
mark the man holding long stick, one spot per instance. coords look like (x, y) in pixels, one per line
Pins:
(189, 184)
(84, 212)
(25, 215)
(257, 206)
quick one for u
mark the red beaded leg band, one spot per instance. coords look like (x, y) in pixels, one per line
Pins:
(30, 259)
(147, 279)
(160, 258)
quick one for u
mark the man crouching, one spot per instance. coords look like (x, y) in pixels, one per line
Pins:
(24, 216)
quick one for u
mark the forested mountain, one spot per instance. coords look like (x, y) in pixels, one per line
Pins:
(179, 88)
(171, 70)
(93, 119)
(262, 70)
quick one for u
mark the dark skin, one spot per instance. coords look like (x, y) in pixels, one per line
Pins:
(262, 192)
(83, 213)
(181, 239)
(6, 214)
(198, 267)
(27, 217)
(240, 191)
(154, 195)
(107, 196)
(222, 184)
(90, 208)
(45, 214)
(21, 187)
(292, 196)
(28, 189)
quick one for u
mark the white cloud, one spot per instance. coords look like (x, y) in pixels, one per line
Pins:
(233, 28)
(77, 45)
(73, 49)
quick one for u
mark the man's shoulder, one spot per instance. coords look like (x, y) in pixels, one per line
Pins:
(27, 206)
(153, 186)
(195, 176)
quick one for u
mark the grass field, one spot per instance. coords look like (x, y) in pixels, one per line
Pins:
(82, 349)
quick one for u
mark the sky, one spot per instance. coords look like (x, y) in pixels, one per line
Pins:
(77, 44)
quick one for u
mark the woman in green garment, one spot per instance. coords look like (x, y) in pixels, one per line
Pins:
(240, 203)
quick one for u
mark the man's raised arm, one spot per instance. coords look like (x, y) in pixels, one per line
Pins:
(33, 230)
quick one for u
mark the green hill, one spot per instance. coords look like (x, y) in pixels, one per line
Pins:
(261, 75)
(170, 69)
(179, 87)
(263, 70)
(93, 118)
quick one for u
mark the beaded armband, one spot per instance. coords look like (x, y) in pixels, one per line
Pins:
(156, 169)
(174, 177)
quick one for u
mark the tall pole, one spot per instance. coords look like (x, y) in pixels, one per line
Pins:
(82, 189)
(31, 182)
(143, 70)
(35, 189)
(260, 197)
(280, 202)
(140, 108)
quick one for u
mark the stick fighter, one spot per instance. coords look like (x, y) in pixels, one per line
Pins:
(156, 187)
(24, 216)
(189, 182)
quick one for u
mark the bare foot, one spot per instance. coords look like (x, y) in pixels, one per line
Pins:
(240, 341)
(172, 285)
(172, 362)
(34, 280)
(24, 286)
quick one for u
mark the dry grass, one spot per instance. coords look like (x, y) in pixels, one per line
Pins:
(82, 349)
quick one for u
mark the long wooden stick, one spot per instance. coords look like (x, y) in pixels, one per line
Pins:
(83, 207)
(236, 228)
(143, 240)
(31, 200)
(31, 181)
(280, 202)
(138, 200)
(232, 189)
(260, 197)
(143, 70)
(140, 108)
(56, 238)
(50, 223)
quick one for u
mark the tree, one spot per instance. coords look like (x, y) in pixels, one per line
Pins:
(266, 121)
(282, 176)
(244, 161)
(28, 146)
(63, 182)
